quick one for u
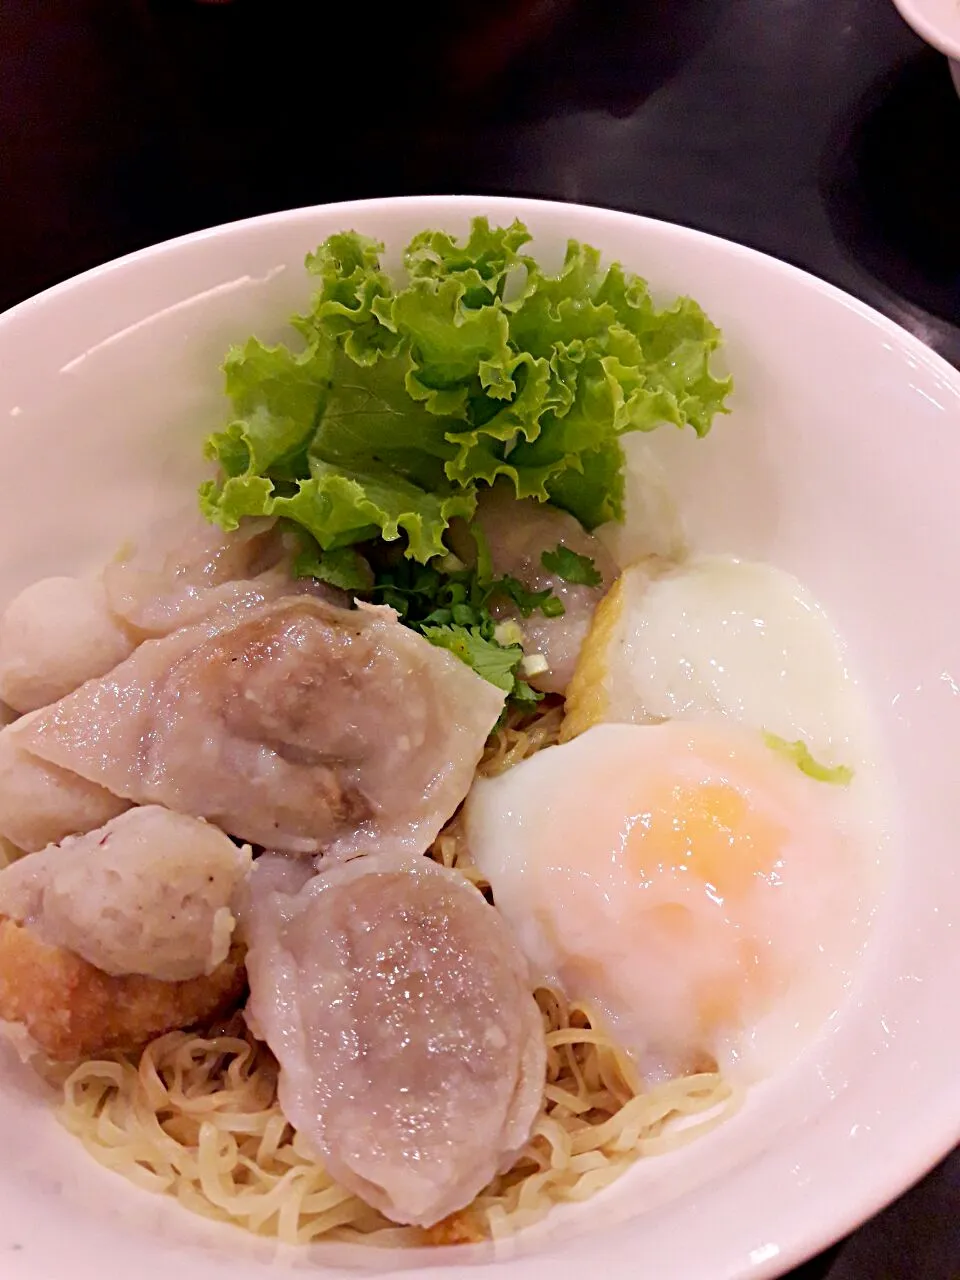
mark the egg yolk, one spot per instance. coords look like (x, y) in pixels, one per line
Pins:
(709, 831)
(712, 833)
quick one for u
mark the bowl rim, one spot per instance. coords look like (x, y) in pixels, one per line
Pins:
(915, 15)
(938, 1133)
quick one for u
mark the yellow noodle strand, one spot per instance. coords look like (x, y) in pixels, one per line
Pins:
(240, 1161)
(197, 1117)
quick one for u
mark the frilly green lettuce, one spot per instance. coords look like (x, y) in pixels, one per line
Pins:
(407, 395)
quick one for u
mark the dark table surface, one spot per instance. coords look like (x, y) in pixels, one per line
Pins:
(821, 131)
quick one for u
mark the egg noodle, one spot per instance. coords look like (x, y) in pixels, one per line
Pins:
(195, 1115)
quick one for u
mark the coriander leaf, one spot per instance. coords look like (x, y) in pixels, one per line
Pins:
(572, 567)
(423, 591)
(524, 694)
(840, 775)
(343, 568)
(396, 600)
(489, 659)
(462, 596)
(526, 601)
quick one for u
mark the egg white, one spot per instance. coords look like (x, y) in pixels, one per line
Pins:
(553, 837)
(721, 638)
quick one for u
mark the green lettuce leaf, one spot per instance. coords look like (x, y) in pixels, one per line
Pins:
(338, 508)
(277, 398)
(369, 422)
(352, 282)
(482, 265)
(407, 395)
(344, 568)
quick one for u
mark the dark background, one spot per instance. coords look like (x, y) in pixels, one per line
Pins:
(822, 131)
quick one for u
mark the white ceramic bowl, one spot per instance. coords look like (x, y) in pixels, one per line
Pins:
(839, 463)
(937, 22)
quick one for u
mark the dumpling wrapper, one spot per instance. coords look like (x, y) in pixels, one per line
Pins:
(55, 634)
(517, 533)
(186, 569)
(300, 726)
(148, 893)
(61, 631)
(412, 1052)
(40, 803)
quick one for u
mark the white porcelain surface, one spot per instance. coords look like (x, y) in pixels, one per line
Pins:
(938, 22)
(839, 462)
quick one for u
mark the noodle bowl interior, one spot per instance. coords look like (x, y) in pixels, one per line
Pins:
(196, 1114)
(377, 880)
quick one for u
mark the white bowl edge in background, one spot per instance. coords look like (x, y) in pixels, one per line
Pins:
(937, 22)
(836, 464)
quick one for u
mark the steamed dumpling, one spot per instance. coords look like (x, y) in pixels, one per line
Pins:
(187, 568)
(518, 532)
(40, 803)
(61, 631)
(300, 726)
(411, 1050)
(55, 634)
(148, 893)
